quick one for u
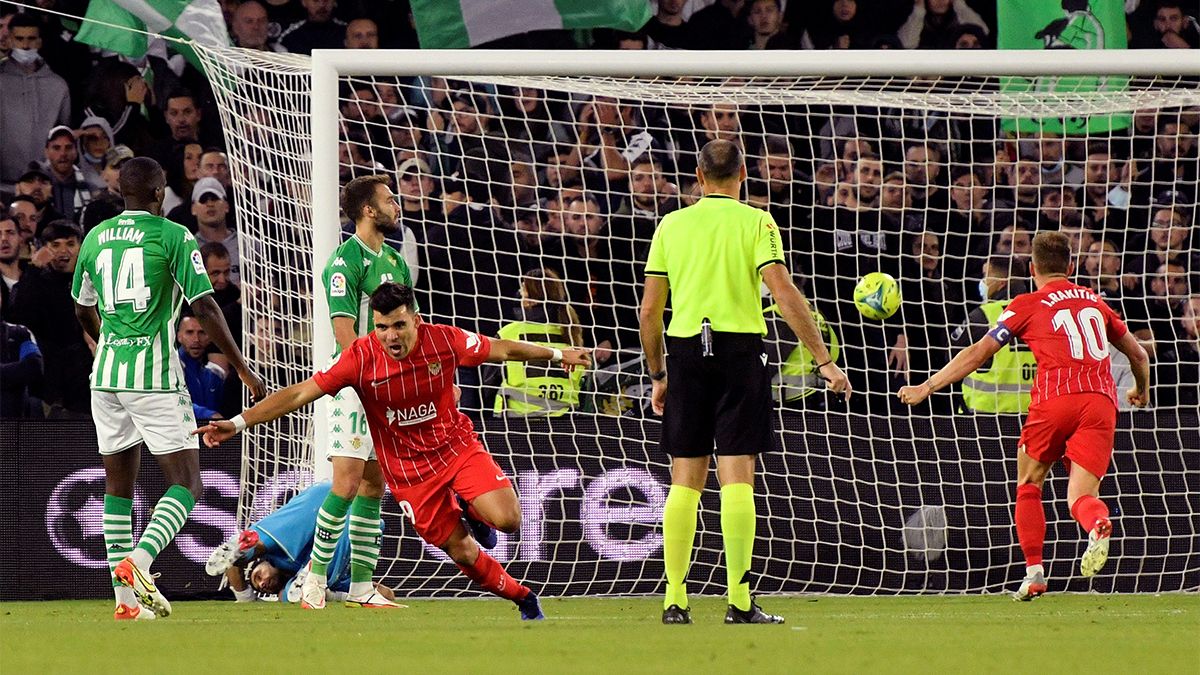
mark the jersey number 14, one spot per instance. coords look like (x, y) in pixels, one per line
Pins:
(129, 287)
(1083, 329)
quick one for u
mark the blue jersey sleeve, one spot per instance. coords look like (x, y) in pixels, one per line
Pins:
(287, 533)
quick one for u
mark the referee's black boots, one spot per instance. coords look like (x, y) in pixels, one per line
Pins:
(676, 614)
(753, 615)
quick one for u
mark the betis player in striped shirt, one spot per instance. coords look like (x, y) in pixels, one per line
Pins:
(134, 271)
(1073, 413)
(428, 450)
(352, 273)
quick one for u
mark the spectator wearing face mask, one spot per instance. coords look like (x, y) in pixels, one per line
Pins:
(93, 142)
(108, 203)
(1002, 385)
(35, 99)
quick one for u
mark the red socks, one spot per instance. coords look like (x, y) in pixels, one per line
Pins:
(1031, 523)
(488, 573)
(1087, 510)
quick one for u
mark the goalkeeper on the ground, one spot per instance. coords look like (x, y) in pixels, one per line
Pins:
(272, 556)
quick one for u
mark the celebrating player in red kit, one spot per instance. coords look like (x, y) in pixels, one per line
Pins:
(404, 373)
(1073, 413)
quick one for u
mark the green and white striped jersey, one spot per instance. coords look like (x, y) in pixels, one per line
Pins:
(353, 273)
(136, 269)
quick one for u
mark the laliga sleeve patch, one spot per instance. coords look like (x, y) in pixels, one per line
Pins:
(337, 285)
(198, 263)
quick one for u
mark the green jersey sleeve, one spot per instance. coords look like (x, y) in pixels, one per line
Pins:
(656, 261)
(343, 284)
(768, 246)
(82, 290)
(187, 265)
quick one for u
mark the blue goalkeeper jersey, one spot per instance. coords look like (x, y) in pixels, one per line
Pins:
(287, 535)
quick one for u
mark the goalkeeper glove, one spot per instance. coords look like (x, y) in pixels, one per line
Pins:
(234, 549)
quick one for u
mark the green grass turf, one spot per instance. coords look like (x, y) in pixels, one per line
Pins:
(1054, 634)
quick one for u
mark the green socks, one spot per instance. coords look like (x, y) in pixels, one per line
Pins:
(364, 538)
(118, 530)
(679, 534)
(330, 521)
(170, 513)
(737, 528)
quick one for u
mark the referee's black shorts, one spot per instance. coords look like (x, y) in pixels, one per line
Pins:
(724, 398)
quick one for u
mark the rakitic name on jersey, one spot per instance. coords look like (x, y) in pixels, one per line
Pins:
(1069, 294)
(414, 415)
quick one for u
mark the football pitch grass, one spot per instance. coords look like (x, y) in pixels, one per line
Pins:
(958, 634)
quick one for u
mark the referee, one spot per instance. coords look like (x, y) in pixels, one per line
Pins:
(713, 258)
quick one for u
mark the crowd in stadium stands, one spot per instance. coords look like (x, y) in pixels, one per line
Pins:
(497, 182)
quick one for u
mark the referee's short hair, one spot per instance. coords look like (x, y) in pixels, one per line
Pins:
(720, 160)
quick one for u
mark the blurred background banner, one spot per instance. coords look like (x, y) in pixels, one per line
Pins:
(1071, 24)
(129, 21)
(458, 24)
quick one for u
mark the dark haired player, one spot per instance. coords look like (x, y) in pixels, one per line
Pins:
(403, 371)
(1073, 413)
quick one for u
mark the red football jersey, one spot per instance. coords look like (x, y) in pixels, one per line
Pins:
(1069, 329)
(415, 423)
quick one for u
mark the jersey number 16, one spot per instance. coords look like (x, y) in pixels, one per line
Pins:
(1084, 328)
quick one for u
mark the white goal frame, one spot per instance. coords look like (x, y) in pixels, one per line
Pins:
(329, 65)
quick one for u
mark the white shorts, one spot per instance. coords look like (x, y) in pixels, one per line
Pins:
(164, 421)
(349, 435)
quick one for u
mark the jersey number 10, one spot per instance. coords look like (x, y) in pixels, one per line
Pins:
(130, 286)
(1084, 328)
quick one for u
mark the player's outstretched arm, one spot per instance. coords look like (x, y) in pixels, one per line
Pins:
(1139, 362)
(208, 313)
(964, 363)
(517, 350)
(272, 407)
(798, 315)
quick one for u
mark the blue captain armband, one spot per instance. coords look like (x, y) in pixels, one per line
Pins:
(1001, 333)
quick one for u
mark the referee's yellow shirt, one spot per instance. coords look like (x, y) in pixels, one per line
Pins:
(712, 254)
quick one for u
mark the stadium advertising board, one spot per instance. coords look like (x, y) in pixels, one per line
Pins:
(837, 513)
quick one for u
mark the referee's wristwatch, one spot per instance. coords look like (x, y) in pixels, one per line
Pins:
(659, 376)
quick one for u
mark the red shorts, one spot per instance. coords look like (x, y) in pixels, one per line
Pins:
(430, 505)
(1079, 427)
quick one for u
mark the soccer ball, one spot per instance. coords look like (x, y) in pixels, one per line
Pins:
(877, 296)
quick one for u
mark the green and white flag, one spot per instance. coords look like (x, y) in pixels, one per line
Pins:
(1069, 24)
(458, 24)
(115, 25)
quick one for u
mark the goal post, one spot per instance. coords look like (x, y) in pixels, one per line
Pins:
(866, 500)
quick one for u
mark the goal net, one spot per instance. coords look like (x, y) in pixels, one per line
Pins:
(507, 180)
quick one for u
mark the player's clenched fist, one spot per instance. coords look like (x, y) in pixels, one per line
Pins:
(914, 394)
(1137, 397)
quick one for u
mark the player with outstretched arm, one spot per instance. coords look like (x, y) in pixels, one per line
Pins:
(403, 372)
(1073, 413)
